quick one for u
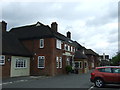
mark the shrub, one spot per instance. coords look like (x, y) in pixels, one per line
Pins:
(68, 68)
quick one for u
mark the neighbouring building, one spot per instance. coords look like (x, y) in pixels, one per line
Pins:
(93, 58)
(104, 60)
(15, 58)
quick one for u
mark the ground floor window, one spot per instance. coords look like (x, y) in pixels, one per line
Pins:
(78, 64)
(41, 62)
(21, 63)
(85, 64)
(58, 62)
(2, 59)
(67, 61)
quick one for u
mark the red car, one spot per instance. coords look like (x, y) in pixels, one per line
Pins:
(105, 75)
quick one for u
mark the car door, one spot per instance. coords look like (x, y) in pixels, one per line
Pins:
(109, 75)
(116, 71)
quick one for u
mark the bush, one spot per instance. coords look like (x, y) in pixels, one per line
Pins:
(68, 68)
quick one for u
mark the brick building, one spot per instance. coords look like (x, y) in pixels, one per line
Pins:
(39, 49)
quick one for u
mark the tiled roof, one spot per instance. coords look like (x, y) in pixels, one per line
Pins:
(79, 55)
(90, 52)
(12, 46)
(37, 32)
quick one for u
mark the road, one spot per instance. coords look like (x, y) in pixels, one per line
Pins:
(61, 81)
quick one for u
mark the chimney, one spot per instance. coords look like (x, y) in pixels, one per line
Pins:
(3, 25)
(69, 35)
(54, 26)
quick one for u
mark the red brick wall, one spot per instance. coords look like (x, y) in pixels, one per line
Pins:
(50, 52)
(6, 67)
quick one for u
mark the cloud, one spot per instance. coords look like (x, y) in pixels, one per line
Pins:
(93, 23)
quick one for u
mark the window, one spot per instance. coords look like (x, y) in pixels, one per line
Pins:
(60, 62)
(57, 62)
(68, 48)
(67, 61)
(21, 63)
(41, 43)
(108, 70)
(71, 48)
(41, 62)
(80, 65)
(2, 59)
(85, 64)
(116, 70)
(58, 44)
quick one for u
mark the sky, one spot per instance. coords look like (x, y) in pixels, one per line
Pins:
(92, 23)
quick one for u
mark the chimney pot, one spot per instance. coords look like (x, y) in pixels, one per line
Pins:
(54, 26)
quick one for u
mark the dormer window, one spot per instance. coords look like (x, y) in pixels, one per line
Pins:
(38, 24)
(41, 43)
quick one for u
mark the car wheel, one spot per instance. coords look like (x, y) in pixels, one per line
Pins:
(99, 83)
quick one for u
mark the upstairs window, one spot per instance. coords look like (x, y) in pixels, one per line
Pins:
(41, 62)
(41, 43)
(58, 44)
(2, 59)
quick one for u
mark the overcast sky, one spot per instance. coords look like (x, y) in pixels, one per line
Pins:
(93, 23)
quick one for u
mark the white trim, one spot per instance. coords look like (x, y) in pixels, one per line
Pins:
(60, 62)
(57, 62)
(44, 61)
(23, 63)
(41, 40)
(2, 59)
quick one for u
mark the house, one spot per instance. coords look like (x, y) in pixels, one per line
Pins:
(93, 58)
(40, 49)
(81, 62)
(52, 51)
(104, 60)
(15, 58)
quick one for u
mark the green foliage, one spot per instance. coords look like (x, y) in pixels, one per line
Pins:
(68, 68)
(116, 60)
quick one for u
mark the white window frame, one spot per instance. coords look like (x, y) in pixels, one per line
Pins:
(71, 48)
(68, 48)
(23, 65)
(57, 62)
(67, 61)
(41, 41)
(2, 60)
(58, 44)
(42, 57)
(60, 64)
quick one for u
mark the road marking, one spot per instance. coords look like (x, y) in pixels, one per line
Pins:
(13, 82)
(91, 87)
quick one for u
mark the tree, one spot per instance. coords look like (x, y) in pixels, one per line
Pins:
(116, 60)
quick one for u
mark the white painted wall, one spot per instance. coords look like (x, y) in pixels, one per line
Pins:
(19, 71)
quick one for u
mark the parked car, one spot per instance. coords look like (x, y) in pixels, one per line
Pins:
(105, 75)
